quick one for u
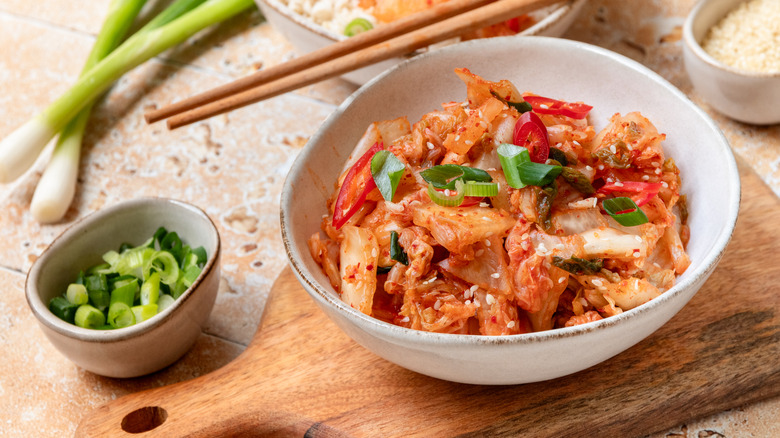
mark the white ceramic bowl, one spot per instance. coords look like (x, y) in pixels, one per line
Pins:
(604, 79)
(744, 96)
(145, 347)
(307, 36)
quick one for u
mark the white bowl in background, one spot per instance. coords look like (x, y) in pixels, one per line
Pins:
(749, 97)
(307, 36)
(150, 345)
(608, 81)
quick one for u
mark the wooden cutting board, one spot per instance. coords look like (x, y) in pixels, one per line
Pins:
(301, 376)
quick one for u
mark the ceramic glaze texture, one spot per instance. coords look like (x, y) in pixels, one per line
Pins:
(749, 97)
(419, 86)
(145, 347)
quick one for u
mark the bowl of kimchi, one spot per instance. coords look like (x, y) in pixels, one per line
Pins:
(313, 25)
(488, 214)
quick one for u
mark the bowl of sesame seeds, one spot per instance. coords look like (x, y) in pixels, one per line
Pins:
(732, 55)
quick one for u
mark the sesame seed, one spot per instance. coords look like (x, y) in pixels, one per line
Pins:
(373, 252)
(541, 248)
(637, 254)
(467, 302)
(469, 142)
(467, 293)
(484, 204)
(476, 303)
(495, 275)
(578, 144)
(558, 145)
(561, 280)
(657, 171)
(447, 192)
(479, 252)
(405, 319)
(638, 239)
(457, 137)
(613, 149)
(473, 288)
(487, 243)
(657, 265)
(601, 167)
(618, 183)
(588, 168)
(525, 236)
(664, 184)
(489, 299)
(437, 305)
(524, 245)
(485, 218)
(544, 106)
(491, 169)
(655, 164)
(630, 148)
(510, 324)
(645, 177)
(430, 145)
(597, 282)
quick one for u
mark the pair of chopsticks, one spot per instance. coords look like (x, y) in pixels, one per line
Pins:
(445, 21)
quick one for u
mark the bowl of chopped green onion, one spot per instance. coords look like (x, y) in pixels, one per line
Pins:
(126, 290)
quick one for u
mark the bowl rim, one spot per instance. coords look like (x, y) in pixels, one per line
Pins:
(564, 7)
(41, 309)
(697, 50)
(323, 296)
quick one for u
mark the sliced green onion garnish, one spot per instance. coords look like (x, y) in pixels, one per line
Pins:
(625, 211)
(201, 253)
(120, 315)
(387, 171)
(144, 312)
(357, 26)
(164, 263)
(125, 293)
(64, 309)
(190, 275)
(444, 176)
(537, 174)
(480, 189)
(77, 294)
(165, 302)
(521, 107)
(89, 317)
(397, 253)
(447, 198)
(150, 290)
(511, 157)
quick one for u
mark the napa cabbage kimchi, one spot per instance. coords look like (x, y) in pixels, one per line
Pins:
(504, 214)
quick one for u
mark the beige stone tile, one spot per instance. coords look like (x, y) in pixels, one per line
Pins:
(64, 13)
(756, 420)
(43, 394)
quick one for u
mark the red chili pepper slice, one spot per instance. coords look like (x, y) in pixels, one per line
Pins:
(545, 105)
(645, 191)
(513, 24)
(468, 201)
(531, 133)
(357, 184)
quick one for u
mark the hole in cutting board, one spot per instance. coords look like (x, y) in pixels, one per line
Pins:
(144, 419)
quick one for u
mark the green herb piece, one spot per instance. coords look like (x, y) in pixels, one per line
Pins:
(578, 266)
(396, 252)
(559, 156)
(625, 211)
(64, 309)
(521, 107)
(620, 159)
(537, 174)
(164, 302)
(511, 157)
(120, 315)
(544, 201)
(77, 294)
(578, 180)
(383, 269)
(89, 317)
(150, 290)
(444, 176)
(143, 312)
(387, 171)
(357, 26)
(447, 197)
(480, 189)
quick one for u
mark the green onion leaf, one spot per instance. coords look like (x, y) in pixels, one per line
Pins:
(144, 312)
(201, 253)
(521, 107)
(164, 263)
(357, 26)
(444, 176)
(77, 294)
(150, 290)
(625, 211)
(387, 171)
(125, 293)
(396, 252)
(120, 315)
(480, 189)
(64, 309)
(537, 174)
(511, 157)
(383, 269)
(447, 198)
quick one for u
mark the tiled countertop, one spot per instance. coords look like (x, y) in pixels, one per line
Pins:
(233, 167)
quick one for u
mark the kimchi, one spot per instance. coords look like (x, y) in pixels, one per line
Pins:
(504, 214)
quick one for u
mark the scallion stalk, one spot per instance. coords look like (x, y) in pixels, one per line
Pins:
(20, 149)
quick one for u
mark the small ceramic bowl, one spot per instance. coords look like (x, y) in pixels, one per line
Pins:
(145, 347)
(749, 97)
(307, 36)
(610, 83)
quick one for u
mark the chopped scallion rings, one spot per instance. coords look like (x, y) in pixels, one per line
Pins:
(444, 176)
(357, 26)
(446, 197)
(133, 285)
(625, 211)
(480, 189)
(537, 174)
(89, 317)
(511, 157)
(387, 171)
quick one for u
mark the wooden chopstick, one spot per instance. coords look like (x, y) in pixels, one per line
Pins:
(245, 94)
(331, 51)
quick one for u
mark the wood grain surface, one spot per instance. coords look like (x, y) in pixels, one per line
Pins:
(301, 376)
